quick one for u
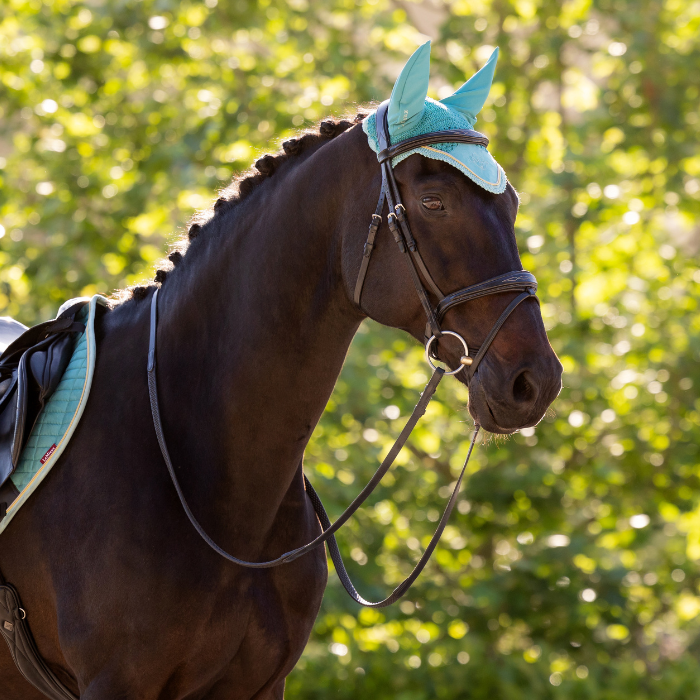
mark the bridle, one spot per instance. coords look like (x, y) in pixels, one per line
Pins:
(516, 281)
(519, 281)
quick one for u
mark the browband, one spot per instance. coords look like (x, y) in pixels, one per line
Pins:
(450, 135)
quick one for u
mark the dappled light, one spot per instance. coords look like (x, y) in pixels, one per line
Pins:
(569, 568)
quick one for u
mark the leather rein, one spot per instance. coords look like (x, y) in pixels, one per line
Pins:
(519, 281)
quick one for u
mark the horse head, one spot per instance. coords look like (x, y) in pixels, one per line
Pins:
(462, 213)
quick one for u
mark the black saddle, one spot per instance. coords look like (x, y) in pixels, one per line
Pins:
(30, 369)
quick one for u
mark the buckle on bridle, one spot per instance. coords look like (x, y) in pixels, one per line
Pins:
(391, 219)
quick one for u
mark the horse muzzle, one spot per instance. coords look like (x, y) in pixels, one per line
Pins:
(503, 400)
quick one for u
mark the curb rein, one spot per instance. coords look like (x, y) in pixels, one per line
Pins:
(517, 281)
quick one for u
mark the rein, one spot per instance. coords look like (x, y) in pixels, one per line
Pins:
(521, 281)
(329, 530)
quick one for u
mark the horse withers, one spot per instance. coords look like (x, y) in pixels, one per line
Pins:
(255, 319)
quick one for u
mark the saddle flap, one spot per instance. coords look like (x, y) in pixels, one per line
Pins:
(48, 363)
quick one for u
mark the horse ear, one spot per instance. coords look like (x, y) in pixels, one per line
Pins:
(408, 96)
(470, 98)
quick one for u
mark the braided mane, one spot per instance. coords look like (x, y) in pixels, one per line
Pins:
(241, 187)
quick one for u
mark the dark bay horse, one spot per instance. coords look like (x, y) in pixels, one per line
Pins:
(255, 320)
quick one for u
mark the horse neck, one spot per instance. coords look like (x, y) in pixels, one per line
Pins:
(254, 326)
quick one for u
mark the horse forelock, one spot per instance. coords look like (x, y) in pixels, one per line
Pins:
(238, 190)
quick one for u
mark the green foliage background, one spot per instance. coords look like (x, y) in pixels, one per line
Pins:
(570, 570)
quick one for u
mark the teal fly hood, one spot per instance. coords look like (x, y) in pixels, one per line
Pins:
(411, 113)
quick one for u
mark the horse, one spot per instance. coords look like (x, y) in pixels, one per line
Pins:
(255, 317)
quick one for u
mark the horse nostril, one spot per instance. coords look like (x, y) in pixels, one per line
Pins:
(523, 390)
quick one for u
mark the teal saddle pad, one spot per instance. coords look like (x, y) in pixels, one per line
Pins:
(59, 419)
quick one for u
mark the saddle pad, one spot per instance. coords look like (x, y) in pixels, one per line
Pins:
(59, 419)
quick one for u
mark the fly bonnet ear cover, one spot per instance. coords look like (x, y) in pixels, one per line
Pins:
(412, 113)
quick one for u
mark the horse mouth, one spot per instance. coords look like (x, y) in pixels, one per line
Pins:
(490, 411)
(487, 420)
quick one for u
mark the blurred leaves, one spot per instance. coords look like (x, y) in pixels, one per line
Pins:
(119, 119)
(569, 568)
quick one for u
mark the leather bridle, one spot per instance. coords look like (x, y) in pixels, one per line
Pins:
(518, 281)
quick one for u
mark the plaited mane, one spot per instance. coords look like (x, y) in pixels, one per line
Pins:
(241, 187)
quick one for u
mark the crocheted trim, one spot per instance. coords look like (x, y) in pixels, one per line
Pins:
(471, 172)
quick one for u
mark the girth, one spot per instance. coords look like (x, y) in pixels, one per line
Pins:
(516, 281)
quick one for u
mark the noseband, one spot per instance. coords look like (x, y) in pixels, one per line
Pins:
(516, 281)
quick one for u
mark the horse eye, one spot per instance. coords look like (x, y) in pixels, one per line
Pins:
(433, 203)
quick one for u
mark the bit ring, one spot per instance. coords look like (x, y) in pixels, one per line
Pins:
(456, 335)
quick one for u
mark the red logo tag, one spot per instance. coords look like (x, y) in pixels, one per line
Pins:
(52, 449)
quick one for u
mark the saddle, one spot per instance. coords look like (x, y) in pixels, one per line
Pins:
(30, 369)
